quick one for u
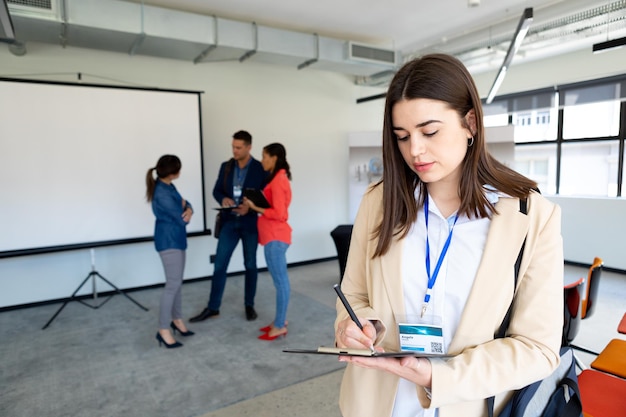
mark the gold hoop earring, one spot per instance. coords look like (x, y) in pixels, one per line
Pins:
(470, 142)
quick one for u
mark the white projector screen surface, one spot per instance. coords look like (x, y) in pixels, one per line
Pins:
(73, 162)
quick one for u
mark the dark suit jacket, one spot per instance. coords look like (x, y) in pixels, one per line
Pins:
(255, 178)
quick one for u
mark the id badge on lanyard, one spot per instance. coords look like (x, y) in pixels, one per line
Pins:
(421, 334)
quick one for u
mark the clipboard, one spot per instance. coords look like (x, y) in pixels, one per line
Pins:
(327, 350)
(257, 197)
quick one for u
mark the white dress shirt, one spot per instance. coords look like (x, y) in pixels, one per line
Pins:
(452, 287)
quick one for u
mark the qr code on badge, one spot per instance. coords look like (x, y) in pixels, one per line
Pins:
(436, 347)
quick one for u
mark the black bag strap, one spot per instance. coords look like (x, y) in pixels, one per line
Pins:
(574, 407)
(523, 208)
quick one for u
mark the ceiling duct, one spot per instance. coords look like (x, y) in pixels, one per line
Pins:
(379, 79)
(139, 29)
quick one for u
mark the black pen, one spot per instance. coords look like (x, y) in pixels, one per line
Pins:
(346, 304)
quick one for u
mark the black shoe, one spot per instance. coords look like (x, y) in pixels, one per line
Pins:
(206, 313)
(176, 329)
(176, 344)
(250, 313)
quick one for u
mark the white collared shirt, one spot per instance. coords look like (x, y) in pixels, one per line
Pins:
(453, 284)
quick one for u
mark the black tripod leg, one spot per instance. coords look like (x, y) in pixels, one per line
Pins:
(68, 300)
(120, 291)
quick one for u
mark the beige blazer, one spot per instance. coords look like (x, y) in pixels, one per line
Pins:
(482, 366)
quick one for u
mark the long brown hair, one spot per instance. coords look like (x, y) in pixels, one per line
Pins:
(166, 166)
(444, 78)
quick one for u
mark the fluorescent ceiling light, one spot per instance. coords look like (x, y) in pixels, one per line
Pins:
(496, 85)
(520, 33)
(6, 26)
(612, 44)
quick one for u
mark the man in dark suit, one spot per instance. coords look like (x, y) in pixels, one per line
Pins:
(240, 172)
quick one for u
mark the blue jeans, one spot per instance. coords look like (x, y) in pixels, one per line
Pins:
(232, 231)
(277, 265)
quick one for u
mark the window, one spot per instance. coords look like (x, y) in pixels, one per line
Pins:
(589, 148)
(538, 162)
(591, 120)
(534, 115)
(589, 168)
(535, 126)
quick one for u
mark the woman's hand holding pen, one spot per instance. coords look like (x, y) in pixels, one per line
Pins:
(348, 334)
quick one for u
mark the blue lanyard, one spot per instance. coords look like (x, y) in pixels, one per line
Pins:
(432, 278)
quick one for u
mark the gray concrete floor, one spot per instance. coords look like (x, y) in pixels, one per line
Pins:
(313, 396)
(319, 396)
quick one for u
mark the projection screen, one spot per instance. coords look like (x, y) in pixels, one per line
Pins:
(74, 157)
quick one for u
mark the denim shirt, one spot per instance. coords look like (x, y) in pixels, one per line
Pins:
(169, 228)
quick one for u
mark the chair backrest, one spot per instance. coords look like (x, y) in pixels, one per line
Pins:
(572, 310)
(593, 283)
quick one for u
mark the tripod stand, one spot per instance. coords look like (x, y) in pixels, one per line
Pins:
(93, 275)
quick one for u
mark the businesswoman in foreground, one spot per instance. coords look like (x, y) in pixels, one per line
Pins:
(172, 213)
(406, 264)
(275, 232)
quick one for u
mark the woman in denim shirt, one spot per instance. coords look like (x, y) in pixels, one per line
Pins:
(172, 213)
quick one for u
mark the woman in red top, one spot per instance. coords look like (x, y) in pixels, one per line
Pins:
(275, 232)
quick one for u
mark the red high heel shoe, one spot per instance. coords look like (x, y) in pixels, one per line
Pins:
(269, 338)
(269, 327)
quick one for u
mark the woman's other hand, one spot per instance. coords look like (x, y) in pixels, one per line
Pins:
(416, 370)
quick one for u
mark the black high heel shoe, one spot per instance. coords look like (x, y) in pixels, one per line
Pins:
(159, 338)
(176, 329)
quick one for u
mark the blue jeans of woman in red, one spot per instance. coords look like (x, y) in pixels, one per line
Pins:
(275, 257)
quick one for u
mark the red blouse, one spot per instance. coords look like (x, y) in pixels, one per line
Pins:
(272, 223)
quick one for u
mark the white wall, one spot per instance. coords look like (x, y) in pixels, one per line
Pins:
(310, 112)
(593, 227)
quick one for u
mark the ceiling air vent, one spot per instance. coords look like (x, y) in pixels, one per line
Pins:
(360, 52)
(38, 4)
(35, 8)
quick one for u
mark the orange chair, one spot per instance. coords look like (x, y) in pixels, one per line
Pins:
(612, 359)
(593, 283)
(602, 395)
(590, 297)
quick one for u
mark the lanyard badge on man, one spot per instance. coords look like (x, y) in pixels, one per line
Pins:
(432, 278)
